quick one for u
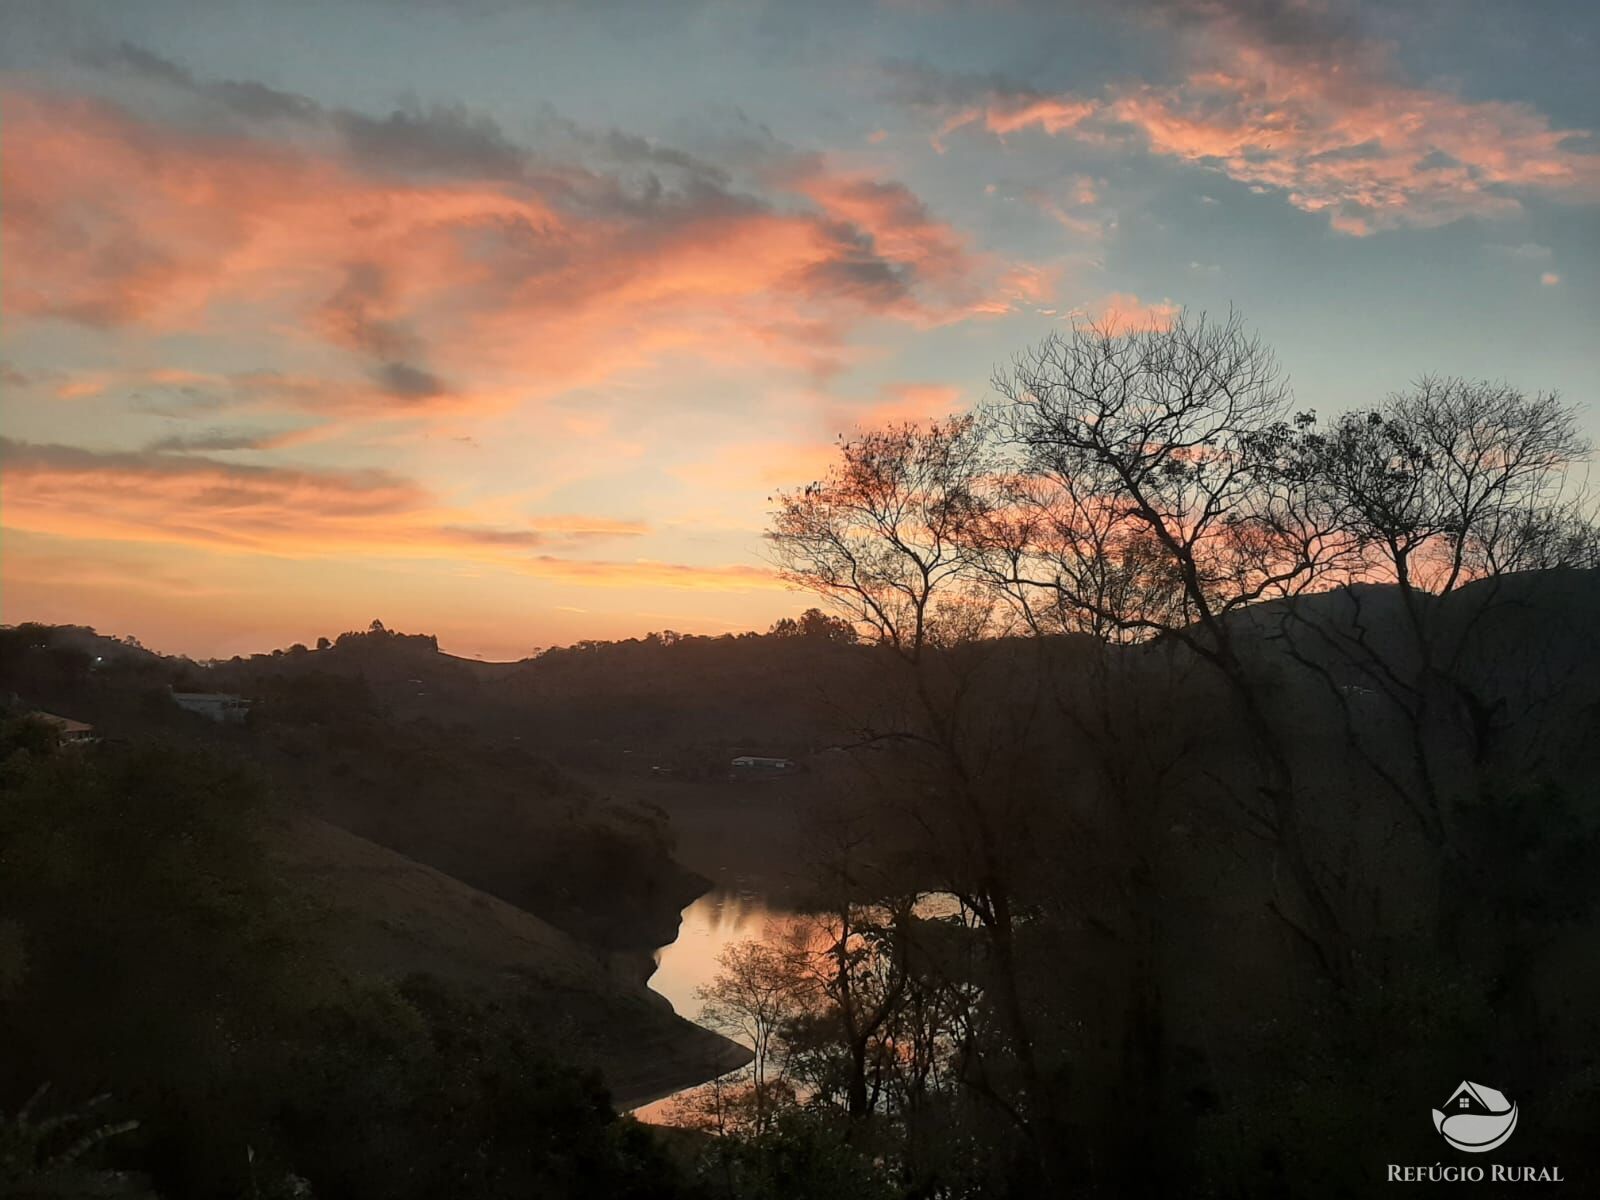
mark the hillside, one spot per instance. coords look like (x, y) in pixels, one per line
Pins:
(445, 789)
(392, 916)
(584, 703)
(440, 848)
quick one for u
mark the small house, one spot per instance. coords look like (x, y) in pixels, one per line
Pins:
(68, 731)
(1477, 1100)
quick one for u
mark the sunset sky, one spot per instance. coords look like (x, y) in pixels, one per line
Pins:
(502, 320)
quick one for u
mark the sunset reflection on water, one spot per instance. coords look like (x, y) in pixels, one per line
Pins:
(720, 919)
(711, 924)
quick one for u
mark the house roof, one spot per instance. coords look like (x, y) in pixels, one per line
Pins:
(64, 724)
(1492, 1100)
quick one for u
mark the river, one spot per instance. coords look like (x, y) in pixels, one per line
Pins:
(711, 924)
(714, 922)
(747, 841)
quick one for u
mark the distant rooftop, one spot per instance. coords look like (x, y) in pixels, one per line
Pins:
(66, 725)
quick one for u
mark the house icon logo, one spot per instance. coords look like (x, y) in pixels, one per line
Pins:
(1476, 1118)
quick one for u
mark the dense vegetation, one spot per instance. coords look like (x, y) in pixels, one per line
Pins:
(150, 952)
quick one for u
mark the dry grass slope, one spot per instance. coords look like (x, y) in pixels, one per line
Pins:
(392, 916)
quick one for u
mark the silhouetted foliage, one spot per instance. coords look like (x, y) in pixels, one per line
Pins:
(167, 962)
(1358, 784)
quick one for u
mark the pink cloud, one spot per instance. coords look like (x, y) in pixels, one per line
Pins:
(913, 402)
(1020, 287)
(1125, 311)
(646, 573)
(1069, 213)
(478, 287)
(191, 500)
(1005, 113)
(1327, 123)
(196, 503)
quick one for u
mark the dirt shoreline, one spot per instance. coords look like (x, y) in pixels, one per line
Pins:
(393, 916)
(688, 1061)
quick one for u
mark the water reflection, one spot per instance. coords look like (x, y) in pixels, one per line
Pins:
(720, 918)
(716, 921)
(708, 926)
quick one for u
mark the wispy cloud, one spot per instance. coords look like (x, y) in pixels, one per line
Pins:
(645, 573)
(1125, 311)
(450, 262)
(155, 495)
(1291, 98)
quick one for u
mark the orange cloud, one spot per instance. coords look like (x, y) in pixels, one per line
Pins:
(1323, 120)
(899, 225)
(1005, 113)
(485, 286)
(145, 498)
(644, 573)
(1124, 310)
(154, 496)
(912, 402)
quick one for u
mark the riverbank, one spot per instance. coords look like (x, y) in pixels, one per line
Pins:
(391, 916)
